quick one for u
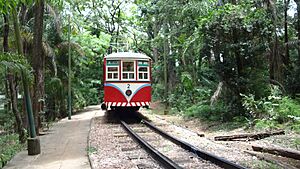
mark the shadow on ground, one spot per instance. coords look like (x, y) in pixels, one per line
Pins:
(129, 117)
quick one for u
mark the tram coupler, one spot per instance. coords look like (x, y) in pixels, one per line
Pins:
(103, 106)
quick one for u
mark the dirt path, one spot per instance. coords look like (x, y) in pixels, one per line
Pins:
(64, 147)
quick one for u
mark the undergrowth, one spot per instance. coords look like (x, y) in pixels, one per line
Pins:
(275, 111)
(9, 140)
(207, 112)
(9, 146)
(272, 112)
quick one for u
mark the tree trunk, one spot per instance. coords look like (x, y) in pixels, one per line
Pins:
(171, 72)
(286, 36)
(166, 54)
(5, 33)
(23, 14)
(216, 94)
(275, 58)
(13, 94)
(154, 49)
(5, 49)
(239, 61)
(298, 28)
(38, 63)
(17, 31)
(171, 69)
(7, 106)
(276, 61)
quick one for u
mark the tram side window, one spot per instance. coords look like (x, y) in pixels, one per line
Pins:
(128, 70)
(112, 70)
(143, 70)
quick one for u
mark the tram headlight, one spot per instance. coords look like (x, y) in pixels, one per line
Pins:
(128, 92)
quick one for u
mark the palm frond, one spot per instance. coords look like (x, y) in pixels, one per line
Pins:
(56, 87)
(16, 63)
(74, 46)
(293, 43)
(50, 10)
(49, 53)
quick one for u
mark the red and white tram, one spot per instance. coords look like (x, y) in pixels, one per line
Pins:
(127, 81)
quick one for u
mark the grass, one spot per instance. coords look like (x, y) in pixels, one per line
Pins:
(260, 164)
(91, 150)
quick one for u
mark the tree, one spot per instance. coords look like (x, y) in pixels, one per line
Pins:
(106, 16)
(275, 59)
(38, 63)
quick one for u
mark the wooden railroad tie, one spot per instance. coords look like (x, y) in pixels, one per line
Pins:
(256, 136)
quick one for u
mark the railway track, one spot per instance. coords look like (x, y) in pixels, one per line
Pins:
(170, 152)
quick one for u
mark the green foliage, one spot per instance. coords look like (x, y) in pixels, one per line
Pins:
(91, 44)
(9, 146)
(87, 66)
(295, 127)
(255, 108)
(187, 81)
(272, 111)
(4, 116)
(296, 143)
(293, 80)
(266, 124)
(91, 150)
(8, 125)
(234, 33)
(6, 5)
(207, 112)
(87, 53)
(55, 87)
(78, 100)
(15, 62)
(288, 110)
(158, 90)
(208, 44)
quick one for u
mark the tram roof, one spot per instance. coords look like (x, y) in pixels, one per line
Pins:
(129, 55)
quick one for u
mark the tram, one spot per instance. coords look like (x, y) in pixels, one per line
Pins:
(127, 81)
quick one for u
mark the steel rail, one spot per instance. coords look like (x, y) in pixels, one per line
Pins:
(221, 162)
(163, 160)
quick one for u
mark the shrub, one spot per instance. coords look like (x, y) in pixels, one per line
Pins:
(9, 146)
(206, 112)
(272, 111)
(288, 109)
